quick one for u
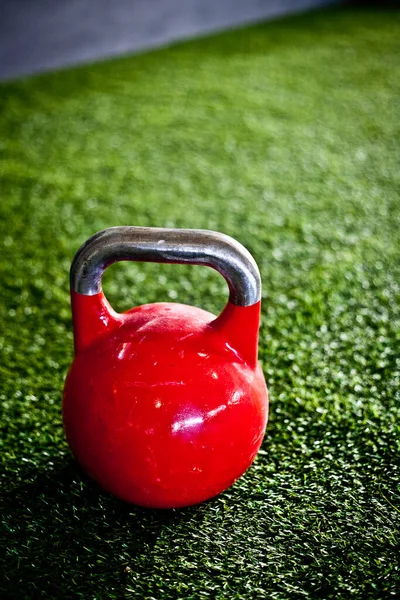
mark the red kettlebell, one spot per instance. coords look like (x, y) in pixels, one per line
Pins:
(165, 405)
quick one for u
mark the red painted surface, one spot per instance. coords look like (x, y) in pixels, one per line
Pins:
(165, 405)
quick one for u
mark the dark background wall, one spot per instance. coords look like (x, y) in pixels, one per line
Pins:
(37, 35)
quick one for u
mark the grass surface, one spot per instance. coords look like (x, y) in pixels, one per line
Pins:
(285, 136)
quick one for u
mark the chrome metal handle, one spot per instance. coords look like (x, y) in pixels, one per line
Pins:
(183, 246)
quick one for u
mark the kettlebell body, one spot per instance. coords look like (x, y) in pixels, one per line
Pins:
(164, 405)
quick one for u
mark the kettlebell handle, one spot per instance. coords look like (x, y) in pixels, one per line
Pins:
(182, 246)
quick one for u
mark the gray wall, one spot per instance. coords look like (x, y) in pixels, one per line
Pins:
(37, 35)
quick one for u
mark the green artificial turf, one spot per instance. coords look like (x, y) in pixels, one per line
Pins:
(286, 136)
